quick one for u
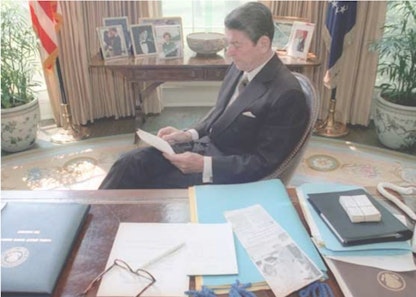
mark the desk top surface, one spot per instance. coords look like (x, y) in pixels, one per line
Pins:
(192, 60)
(108, 208)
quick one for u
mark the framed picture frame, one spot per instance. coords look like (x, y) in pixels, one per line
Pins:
(143, 40)
(123, 22)
(300, 40)
(169, 41)
(164, 21)
(282, 30)
(112, 42)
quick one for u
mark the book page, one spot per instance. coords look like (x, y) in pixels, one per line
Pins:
(272, 250)
(155, 141)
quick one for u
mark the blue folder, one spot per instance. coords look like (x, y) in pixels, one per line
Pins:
(209, 202)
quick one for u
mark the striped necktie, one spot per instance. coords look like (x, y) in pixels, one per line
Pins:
(242, 84)
(240, 87)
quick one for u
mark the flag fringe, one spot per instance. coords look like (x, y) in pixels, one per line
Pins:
(332, 74)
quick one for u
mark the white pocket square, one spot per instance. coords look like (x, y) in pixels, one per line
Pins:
(249, 114)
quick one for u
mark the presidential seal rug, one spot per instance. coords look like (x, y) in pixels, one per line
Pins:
(82, 165)
(340, 161)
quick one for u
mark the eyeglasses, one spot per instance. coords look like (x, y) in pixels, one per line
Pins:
(121, 264)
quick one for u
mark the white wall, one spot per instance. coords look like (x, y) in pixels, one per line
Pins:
(189, 93)
(173, 95)
(45, 106)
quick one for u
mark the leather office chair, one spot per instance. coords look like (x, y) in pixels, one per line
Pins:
(287, 168)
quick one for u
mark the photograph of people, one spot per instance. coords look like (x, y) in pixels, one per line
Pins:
(115, 41)
(123, 22)
(300, 40)
(113, 44)
(169, 47)
(169, 41)
(143, 39)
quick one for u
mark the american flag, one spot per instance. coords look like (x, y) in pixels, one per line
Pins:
(46, 20)
(340, 20)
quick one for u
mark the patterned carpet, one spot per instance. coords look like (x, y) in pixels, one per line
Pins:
(83, 165)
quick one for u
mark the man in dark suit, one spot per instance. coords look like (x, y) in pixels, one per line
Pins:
(246, 135)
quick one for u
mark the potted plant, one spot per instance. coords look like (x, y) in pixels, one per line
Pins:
(19, 64)
(395, 107)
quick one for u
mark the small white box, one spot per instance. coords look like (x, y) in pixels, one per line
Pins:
(360, 209)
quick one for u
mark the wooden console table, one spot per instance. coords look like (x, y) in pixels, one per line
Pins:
(108, 208)
(155, 71)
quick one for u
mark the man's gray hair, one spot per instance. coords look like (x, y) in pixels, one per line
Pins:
(253, 18)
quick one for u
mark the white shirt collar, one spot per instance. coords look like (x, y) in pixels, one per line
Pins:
(250, 75)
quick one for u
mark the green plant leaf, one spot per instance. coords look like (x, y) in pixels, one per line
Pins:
(19, 55)
(397, 53)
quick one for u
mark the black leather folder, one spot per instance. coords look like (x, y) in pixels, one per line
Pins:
(329, 208)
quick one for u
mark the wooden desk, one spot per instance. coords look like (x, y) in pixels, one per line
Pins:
(109, 207)
(155, 71)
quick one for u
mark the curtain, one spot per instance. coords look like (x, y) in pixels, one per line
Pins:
(355, 94)
(96, 93)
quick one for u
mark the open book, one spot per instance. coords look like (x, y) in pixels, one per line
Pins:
(155, 141)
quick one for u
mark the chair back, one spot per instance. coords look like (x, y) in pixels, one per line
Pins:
(287, 168)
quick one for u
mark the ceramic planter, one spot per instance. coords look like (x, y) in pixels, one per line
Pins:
(395, 124)
(19, 127)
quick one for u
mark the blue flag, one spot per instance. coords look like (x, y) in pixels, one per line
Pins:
(340, 20)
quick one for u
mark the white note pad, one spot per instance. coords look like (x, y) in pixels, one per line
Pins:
(155, 141)
(171, 252)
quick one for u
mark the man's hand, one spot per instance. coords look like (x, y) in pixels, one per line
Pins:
(187, 162)
(173, 135)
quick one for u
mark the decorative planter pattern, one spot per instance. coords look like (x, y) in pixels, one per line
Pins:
(395, 124)
(19, 127)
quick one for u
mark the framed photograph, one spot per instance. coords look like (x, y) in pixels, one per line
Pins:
(112, 42)
(143, 40)
(123, 22)
(169, 41)
(164, 21)
(282, 29)
(300, 40)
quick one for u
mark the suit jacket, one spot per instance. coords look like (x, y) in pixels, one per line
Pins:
(251, 137)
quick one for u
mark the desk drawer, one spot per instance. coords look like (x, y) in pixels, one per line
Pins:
(215, 74)
(168, 75)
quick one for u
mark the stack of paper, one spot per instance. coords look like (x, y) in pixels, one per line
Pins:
(395, 257)
(272, 250)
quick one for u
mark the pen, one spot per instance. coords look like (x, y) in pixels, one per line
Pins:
(163, 255)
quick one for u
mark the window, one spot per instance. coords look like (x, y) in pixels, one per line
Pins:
(200, 15)
(393, 17)
(197, 16)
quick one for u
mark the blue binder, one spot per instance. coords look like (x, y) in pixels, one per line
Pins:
(37, 238)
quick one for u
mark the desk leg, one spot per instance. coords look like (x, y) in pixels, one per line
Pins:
(139, 116)
(142, 94)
